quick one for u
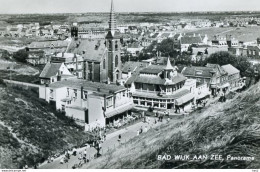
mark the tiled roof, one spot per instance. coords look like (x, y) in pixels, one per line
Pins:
(48, 44)
(166, 35)
(155, 35)
(150, 80)
(230, 69)
(134, 45)
(133, 66)
(50, 69)
(153, 69)
(14, 29)
(157, 80)
(190, 40)
(176, 36)
(204, 72)
(94, 49)
(131, 79)
(69, 57)
(87, 85)
(220, 70)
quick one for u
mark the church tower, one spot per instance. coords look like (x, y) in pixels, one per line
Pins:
(113, 45)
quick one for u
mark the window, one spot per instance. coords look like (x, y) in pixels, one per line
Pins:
(104, 64)
(63, 108)
(124, 94)
(75, 94)
(116, 46)
(110, 45)
(51, 93)
(109, 102)
(85, 95)
(116, 61)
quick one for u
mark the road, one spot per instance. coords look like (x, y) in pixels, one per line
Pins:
(110, 144)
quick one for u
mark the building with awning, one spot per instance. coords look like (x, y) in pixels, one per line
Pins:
(186, 99)
(157, 86)
(120, 110)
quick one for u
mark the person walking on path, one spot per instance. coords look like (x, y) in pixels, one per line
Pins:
(85, 153)
(119, 138)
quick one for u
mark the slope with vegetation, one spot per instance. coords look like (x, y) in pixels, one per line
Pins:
(30, 130)
(231, 128)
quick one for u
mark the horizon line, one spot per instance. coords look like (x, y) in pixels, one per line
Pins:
(230, 11)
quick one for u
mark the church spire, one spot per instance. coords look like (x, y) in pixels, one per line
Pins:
(112, 20)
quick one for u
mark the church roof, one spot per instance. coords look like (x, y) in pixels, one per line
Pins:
(94, 49)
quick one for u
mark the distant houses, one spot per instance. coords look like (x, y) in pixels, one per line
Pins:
(218, 78)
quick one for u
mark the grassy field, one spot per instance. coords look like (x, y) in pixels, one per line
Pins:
(31, 130)
(231, 128)
(246, 34)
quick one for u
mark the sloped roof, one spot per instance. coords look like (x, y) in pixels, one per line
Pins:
(134, 45)
(230, 69)
(176, 95)
(111, 35)
(204, 72)
(176, 36)
(87, 85)
(217, 67)
(190, 40)
(50, 69)
(157, 80)
(48, 44)
(133, 66)
(94, 49)
(153, 69)
(69, 57)
(150, 80)
(166, 35)
(155, 35)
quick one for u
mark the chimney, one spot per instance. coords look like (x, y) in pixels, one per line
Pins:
(62, 54)
(98, 89)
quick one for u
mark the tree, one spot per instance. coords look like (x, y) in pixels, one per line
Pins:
(5, 55)
(221, 58)
(21, 56)
(224, 57)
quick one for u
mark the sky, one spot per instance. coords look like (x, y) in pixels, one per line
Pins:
(84, 6)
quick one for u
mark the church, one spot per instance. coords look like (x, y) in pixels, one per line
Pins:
(102, 59)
